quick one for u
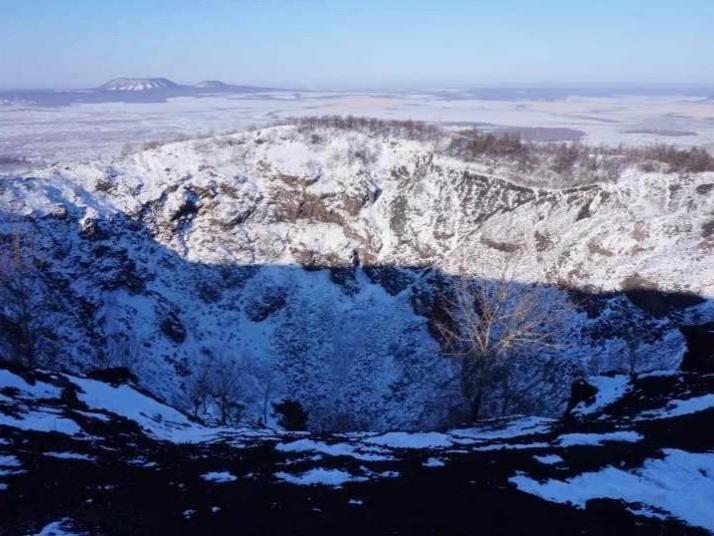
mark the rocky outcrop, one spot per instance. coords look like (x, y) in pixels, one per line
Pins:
(700, 348)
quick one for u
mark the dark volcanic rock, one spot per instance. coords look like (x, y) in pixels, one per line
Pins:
(700, 348)
(114, 376)
(172, 327)
(580, 391)
(646, 295)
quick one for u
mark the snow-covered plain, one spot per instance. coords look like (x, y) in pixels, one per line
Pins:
(89, 130)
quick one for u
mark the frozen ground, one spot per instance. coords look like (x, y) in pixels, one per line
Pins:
(88, 130)
(124, 468)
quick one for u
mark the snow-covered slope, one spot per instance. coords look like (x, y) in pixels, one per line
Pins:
(139, 84)
(311, 262)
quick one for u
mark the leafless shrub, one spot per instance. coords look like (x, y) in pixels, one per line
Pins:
(540, 164)
(491, 327)
(126, 150)
(103, 185)
(13, 162)
(633, 358)
(263, 378)
(154, 144)
(408, 129)
(692, 160)
(198, 388)
(225, 383)
(216, 382)
(24, 308)
(473, 144)
(607, 163)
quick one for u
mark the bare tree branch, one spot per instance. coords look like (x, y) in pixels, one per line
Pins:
(489, 324)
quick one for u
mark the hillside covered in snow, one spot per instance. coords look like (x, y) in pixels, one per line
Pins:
(311, 263)
(281, 329)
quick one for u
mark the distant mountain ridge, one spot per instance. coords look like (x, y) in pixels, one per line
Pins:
(213, 84)
(126, 90)
(139, 84)
(163, 85)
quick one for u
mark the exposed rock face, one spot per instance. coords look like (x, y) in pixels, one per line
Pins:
(315, 263)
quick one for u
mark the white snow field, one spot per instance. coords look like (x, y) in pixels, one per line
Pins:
(90, 130)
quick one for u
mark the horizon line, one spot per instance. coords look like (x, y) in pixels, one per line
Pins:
(462, 86)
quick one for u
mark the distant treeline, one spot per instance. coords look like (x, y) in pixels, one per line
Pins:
(573, 162)
(408, 129)
(6, 161)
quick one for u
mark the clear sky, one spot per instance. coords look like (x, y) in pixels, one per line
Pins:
(357, 43)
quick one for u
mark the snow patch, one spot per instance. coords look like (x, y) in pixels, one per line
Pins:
(334, 449)
(609, 390)
(69, 456)
(35, 390)
(677, 408)
(508, 430)
(582, 439)
(682, 483)
(155, 418)
(219, 477)
(9, 461)
(38, 421)
(321, 477)
(548, 459)
(406, 440)
(58, 528)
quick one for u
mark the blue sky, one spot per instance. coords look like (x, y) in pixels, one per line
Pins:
(350, 43)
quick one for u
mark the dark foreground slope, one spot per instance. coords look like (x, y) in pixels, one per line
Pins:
(92, 458)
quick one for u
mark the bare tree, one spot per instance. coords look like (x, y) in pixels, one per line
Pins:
(490, 325)
(633, 338)
(198, 388)
(266, 379)
(23, 309)
(216, 385)
(224, 389)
